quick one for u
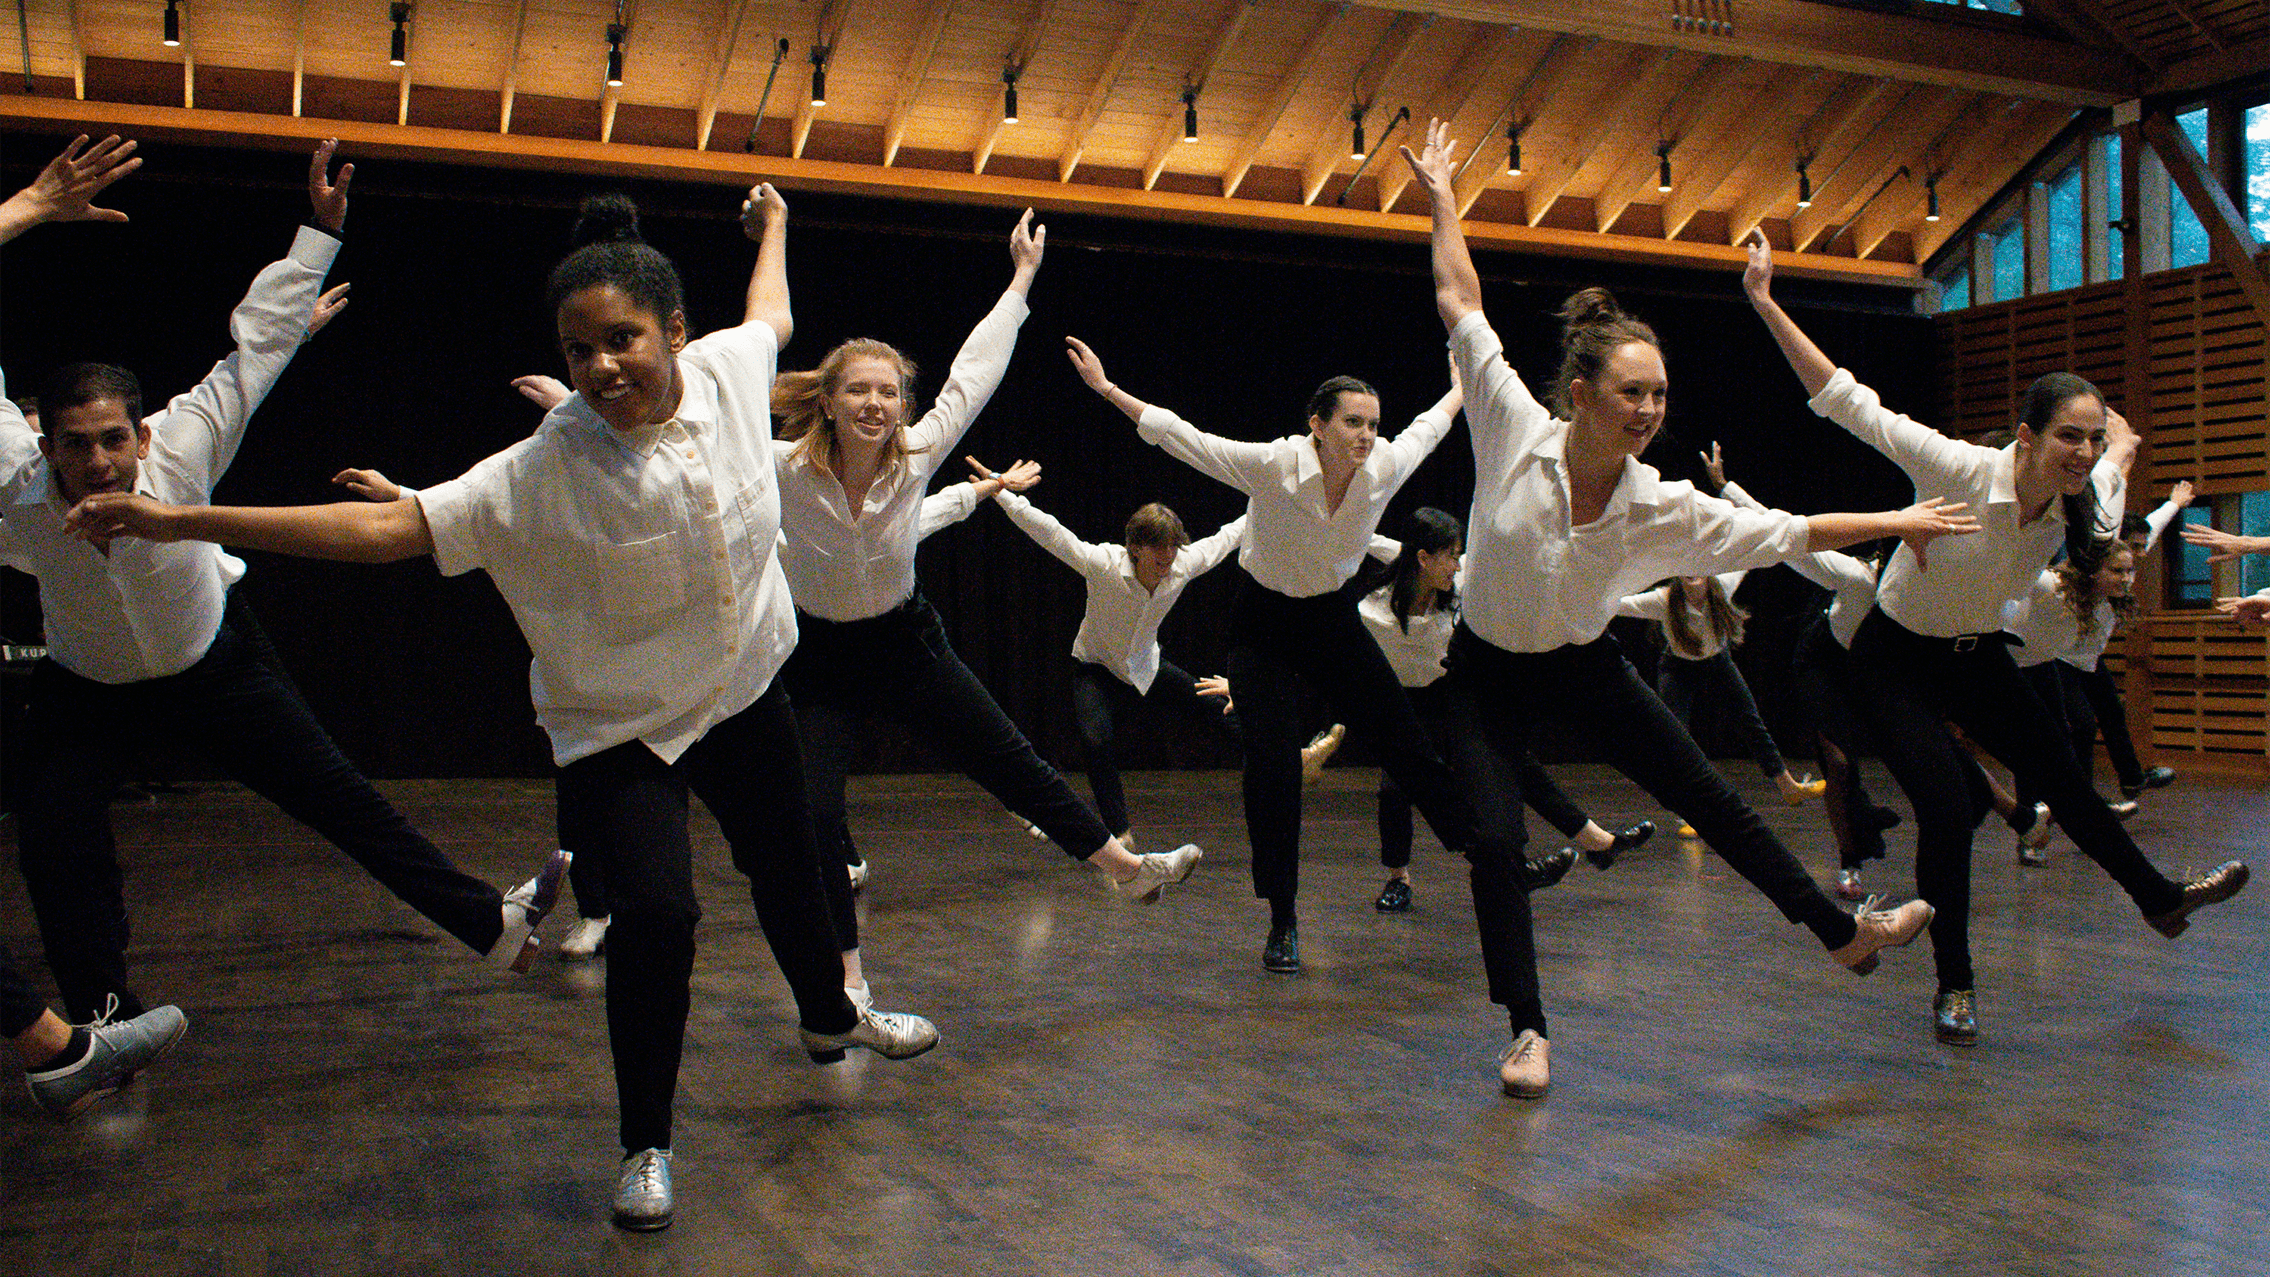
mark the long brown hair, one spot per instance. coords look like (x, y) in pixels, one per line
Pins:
(799, 399)
(2077, 583)
(1724, 618)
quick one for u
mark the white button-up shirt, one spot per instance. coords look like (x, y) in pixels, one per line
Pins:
(1972, 576)
(2090, 647)
(1656, 604)
(146, 610)
(642, 570)
(1417, 653)
(1120, 629)
(1851, 582)
(1292, 543)
(1534, 580)
(848, 565)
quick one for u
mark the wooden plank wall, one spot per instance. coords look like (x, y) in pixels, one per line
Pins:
(2188, 360)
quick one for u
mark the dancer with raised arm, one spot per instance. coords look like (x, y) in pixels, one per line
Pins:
(1933, 648)
(149, 640)
(634, 536)
(1314, 501)
(1567, 520)
(2142, 532)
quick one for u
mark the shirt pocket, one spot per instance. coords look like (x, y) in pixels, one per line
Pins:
(641, 578)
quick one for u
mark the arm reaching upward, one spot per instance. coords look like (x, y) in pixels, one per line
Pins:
(65, 190)
(1458, 287)
(1805, 359)
(764, 218)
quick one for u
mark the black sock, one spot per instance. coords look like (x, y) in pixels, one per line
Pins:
(1281, 914)
(73, 1051)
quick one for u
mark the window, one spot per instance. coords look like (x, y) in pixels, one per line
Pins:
(2258, 169)
(1954, 291)
(2115, 243)
(2191, 583)
(2065, 229)
(2187, 238)
(2008, 249)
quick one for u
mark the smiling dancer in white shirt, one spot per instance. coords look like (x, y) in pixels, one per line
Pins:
(1933, 648)
(1131, 588)
(1314, 501)
(1566, 521)
(149, 639)
(634, 538)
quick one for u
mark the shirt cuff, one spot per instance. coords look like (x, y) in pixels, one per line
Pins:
(315, 248)
(1154, 422)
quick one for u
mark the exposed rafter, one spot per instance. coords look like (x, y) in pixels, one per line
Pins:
(1273, 107)
(800, 131)
(1839, 193)
(729, 16)
(1170, 137)
(1622, 99)
(512, 66)
(2024, 129)
(1021, 57)
(79, 57)
(1705, 175)
(2231, 239)
(1100, 93)
(1395, 45)
(1898, 208)
(911, 76)
(1555, 66)
(1693, 131)
(2184, 10)
(1465, 86)
(1838, 130)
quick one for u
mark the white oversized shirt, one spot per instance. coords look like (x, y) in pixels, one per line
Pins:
(642, 571)
(1534, 581)
(1972, 576)
(1417, 653)
(1851, 582)
(1120, 629)
(1656, 604)
(848, 566)
(1293, 544)
(147, 610)
(2090, 647)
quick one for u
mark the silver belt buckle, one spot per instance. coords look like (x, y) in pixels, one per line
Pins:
(1965, 642)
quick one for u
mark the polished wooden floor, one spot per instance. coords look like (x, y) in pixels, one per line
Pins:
(1126, 1091)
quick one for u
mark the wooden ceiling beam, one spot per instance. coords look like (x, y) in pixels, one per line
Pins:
(1387, 59)
(2230, 239)
(1692, 136)
(683, 164)
(1487, 50)
(1556, 65)
(79, 56)
(610, 95)
(2210, 69)
(1903, 206)
(2072, 15)
(730, 14)
(1603, 117)
(1985, 166)
(1855, 107)
(2213, 38)
(1225, 36)
(1099, 94)
(1281, 97)
(1838, 194)
(1019, 58)
(915, 70)
(1792, 91)
(512, 66)
(1923, 49)
(800, 130)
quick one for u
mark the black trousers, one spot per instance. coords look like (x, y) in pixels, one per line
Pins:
(1908, 685)
(1821, 675)
(1100, 698)
(1538, 789)
(1716, 680)
(900, 666)
(2103, 694)
(2059, 687)
(1500, 695)
(239, 708)
(21, 1006)
(626, 809)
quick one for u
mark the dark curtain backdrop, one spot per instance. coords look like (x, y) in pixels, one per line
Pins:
(418, 675)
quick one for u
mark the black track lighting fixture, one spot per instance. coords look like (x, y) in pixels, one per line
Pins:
(1931, 195)
(1356, 118)
(173, 23)
(398, 51)
(1663, 166)
(1805, 183)
(1513, 149)
(615, 34)
(1009, 95)
(820, 54)
(1189, 112)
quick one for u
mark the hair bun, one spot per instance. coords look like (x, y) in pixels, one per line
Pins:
(606, 219)
(1589, 308)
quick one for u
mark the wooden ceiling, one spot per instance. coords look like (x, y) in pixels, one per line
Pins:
(1740, 90)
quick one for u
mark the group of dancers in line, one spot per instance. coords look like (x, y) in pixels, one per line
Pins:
(715, 606)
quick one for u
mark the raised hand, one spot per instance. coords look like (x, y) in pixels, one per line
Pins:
(327, 308)
(1757, 277)
(1926, 521)
(370, 485)
(105, 515)
(2252, 611)
(328, 198)
(2224, 547)
(1432, 166)
(1216, 686)
(1089, 367)
(763, 207)
(1714, 466)
(2181, 494)
(1027, 243)
(65, 190)
(1020, 476)
(547, 392)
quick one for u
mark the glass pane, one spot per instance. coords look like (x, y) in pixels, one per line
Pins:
(2187, 239)
(2010, 262)
(2254, 521)
(2065, 229)
(2191, 583)
(2258, 169)
(1955, 293)
(2116, 245)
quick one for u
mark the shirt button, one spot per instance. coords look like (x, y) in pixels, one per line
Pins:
(689, 454)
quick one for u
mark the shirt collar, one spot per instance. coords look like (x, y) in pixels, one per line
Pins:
(1307, 465)
(2002, 478)
(697, 404)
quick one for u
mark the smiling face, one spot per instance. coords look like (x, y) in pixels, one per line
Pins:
(1438, 569)
(2059, 455)
(621, 356)
(1152, 563)
(2116, 576)
(1345, 439)
(1620, 410)
(94, 447)
(867, 404)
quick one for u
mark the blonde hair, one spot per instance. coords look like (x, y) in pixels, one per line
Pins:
(1724, 618)
(2077, 583)
(799, 399)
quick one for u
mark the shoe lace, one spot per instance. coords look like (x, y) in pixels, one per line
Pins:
(105, 1017)
(646, 1171)
(1870, 906)
(1522, 1049)
(1959, 1002)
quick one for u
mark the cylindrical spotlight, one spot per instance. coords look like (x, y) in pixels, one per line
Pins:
(1663, 168)
(1190, 115)
(1513, 152)
(1931, 193)
(173, 25)
(1805, 186)
(615, 36)
(1009, 95)
(398, 50)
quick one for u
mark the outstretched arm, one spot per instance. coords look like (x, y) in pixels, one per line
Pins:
(1458, 287)
(2223, 547)
(65, 190)
(1090, 368)
(1239, 464)
(1811, 366)
(764, 218)
(2252, 610)
(1918, 525)
(1026, 245)
(355, 531)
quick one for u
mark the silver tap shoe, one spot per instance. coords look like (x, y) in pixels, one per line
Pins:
(642, 1196)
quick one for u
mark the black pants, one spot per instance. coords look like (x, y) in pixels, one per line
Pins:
(899, 666)
(2103, 694)
(237, 707)
(1538, 789)
(1276, 641)
(1910, 684)
(626, 809)
(1821, 675)
(2059, 687)
(1682, 682)
(1499, 695)
(21, 1006)
(1100, 697)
